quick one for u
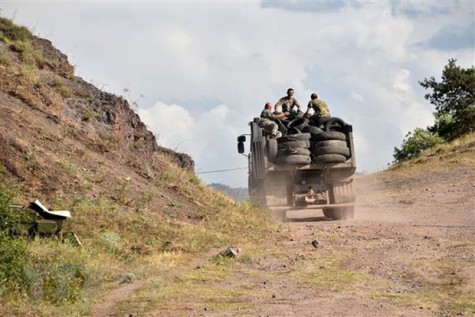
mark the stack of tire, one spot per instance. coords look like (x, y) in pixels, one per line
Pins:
(304, 142)
(293, 149)
(330, 147)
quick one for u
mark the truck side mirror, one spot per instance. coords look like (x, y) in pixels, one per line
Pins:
(241, 138)
(240, 147)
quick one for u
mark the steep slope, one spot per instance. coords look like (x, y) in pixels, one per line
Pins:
(137, 207)
(54, 122)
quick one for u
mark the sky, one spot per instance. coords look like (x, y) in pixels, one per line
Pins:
(197, 72)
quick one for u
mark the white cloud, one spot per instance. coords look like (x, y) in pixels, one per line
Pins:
(206, 69)
(401, 83)
(209, 137)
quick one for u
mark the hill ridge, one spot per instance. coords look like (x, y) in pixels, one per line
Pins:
(40, 93)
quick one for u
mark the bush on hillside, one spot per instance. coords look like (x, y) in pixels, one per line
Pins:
(415, 143)
(13, 32)
(13, 251)
(454, 101)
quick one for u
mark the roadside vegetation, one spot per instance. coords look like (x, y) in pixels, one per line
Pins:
(454, 101)
(45, 276)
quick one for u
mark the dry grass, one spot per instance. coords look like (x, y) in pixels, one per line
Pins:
(457, 154)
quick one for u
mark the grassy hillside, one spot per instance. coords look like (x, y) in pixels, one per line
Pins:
(458, 154)
(137, 207)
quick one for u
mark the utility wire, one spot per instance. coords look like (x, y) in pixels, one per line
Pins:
(219, 171)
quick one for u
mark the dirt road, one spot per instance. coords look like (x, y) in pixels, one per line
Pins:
(409, 252)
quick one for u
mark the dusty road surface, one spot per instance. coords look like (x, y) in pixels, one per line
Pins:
(410, 251)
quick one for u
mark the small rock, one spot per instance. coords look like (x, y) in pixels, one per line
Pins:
(231, 252)
(315, 243)
(129, 278)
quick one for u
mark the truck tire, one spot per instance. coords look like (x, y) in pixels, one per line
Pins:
(330, 135)
(312, 130)
(343, 150)
(293, 145)
(334, 124)
(330, 158)
(318, 144)
(281, 126)
(295, 137)
(293, 160)
(298, 123)
(294, 151)
(339, 213)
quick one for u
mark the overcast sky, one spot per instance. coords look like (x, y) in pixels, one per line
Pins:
(199, 71)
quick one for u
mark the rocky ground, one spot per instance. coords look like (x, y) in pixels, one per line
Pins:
(408, 252)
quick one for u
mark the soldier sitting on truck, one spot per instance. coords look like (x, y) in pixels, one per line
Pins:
(288, 102)
(268, 120)
(320, 109)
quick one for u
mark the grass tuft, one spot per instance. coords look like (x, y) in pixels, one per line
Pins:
(14, 32)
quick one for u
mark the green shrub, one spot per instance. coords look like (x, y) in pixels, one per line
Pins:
(18, 47)
(13, 250)
(11, 221)
(110, 241)
(55, 282)
(414, 143)
(14, 32)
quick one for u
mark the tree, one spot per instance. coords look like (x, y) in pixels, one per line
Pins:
(414, 143)
(454, 101)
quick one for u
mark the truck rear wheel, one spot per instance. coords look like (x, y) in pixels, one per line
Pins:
(339, 213)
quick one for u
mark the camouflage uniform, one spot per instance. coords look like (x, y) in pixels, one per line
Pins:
(287, 103)
(320, 107)
(267, 121)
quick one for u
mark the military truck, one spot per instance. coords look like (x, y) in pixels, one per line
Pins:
(310, 167)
